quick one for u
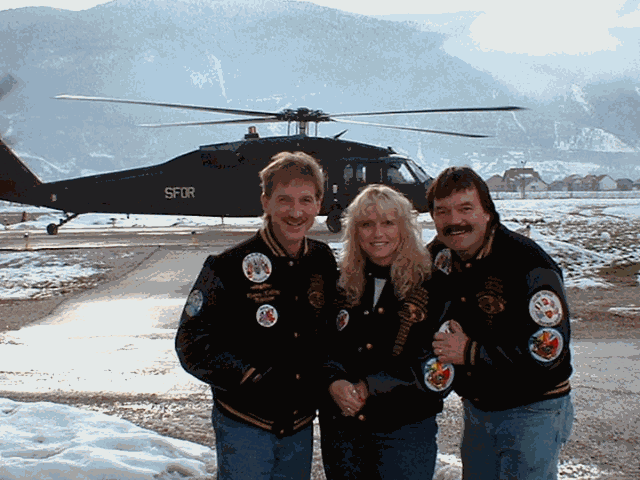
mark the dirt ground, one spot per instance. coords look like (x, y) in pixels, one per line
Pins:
(607, 445)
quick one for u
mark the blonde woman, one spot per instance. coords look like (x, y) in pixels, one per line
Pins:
(386, 386)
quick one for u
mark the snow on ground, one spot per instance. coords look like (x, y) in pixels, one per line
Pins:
(39, 274)
(47, 441)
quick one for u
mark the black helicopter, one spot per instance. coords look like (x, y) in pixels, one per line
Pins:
(212, 181)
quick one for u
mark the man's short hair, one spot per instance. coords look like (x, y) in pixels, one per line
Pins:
(287, 166)
(457, 179)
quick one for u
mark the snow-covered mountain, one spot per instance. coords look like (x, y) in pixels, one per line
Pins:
(268, 55)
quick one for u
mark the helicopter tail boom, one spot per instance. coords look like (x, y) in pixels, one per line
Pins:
(16, 179)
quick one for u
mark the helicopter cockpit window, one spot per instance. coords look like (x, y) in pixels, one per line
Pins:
(400, 175)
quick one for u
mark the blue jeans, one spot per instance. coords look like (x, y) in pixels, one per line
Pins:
(521, 443)
(408, 453)
(250, 453)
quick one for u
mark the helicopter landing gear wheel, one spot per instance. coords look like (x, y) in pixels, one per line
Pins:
(333, 220)
(52, 228)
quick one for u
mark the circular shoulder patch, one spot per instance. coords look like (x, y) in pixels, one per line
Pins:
(546, 344)
(342, 320)
(256, 267)
(267, 316)
(545, 308)
(194, 303)
(438, 376)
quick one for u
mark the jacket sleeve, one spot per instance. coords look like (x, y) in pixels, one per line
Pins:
(207, 345)
(537, 340)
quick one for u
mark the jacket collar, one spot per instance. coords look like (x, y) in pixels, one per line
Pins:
(266, 233)
(446, 258)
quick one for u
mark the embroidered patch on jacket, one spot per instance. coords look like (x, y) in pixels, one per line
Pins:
(263, 293)
(256, 267)
(267, 316)
(194, 303)
(443, 261)
(490, 304)
(316, 293)
(490, 301)
(342, 320)
(438, 376)
(545, 308)
(546, 344)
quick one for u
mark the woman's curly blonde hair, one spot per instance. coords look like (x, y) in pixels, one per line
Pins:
(412, 263)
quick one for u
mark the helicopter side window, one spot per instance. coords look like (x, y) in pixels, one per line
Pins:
(361, 173)
(400, 175)
(348, 173)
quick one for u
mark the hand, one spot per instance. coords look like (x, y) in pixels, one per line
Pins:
(450, 347)
(347, 396)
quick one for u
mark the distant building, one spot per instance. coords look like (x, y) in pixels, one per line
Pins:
(496, 183)
(572, 183)
(636, 184)
(595, 183)
(557, 186)
(624, 184)
(535, 185)
(514, 178)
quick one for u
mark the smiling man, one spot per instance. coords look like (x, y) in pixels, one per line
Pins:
(508, 334)
(253, 326)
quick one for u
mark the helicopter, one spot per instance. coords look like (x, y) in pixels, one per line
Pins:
(213, 180)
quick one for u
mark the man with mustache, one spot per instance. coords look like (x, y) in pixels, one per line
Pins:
(253, 329)
(508, 334)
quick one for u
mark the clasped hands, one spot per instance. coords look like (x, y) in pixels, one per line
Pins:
(348, 396)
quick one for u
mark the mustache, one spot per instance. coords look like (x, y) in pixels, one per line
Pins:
(453, 229)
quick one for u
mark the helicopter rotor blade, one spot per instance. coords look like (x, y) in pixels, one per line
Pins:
(432, 110)
(412, 129)
(169, 105)
(218, 122)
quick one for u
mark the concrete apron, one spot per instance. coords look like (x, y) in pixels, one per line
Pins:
(118, 338)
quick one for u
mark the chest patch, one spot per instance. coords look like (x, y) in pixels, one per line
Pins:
(342, 320)
(194, 303)
(316, 293)
(256, 267)
(546, 344)
(490, 304)
(545, 308)
(267, 316)
(438, 376)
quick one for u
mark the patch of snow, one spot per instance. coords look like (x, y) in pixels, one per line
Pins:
(631, 311)
(37, 274)
(44, 440)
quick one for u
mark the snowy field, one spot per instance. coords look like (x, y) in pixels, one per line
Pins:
(49, 441)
